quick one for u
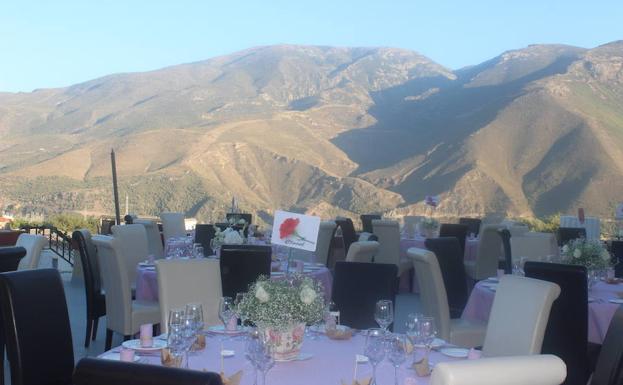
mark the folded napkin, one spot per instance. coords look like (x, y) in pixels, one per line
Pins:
(234, 379)
(422, 368)
(365, 381)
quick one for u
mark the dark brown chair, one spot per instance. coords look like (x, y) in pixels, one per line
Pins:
(94, 371)
(204, 233)
(505, 235)
(473, 225)
(348, 232)
(366, 221)
(566, 234)
(454, 230)
(609, 368)
(241, 265)
(450, 258)
(36, 324)
(96, 300)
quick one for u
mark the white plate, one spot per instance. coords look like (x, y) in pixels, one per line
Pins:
(117, 357)
(220, 329)
(454, 352)
(437, 343)
(136, 345)
(616, 300)
(300, 357)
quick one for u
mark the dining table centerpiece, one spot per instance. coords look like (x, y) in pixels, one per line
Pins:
(591, 254)
(428, 226)
(281, 309)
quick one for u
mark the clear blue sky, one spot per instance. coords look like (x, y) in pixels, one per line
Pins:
(58, 43)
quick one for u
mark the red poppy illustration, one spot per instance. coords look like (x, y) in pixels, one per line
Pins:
(288, 229)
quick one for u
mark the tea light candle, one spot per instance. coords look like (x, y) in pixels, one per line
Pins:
(146, 335)
(126, 355)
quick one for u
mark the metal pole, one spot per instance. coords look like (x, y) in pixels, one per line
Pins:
(114, 186)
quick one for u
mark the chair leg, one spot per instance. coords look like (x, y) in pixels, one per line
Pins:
(94, 333)
(108, 345)
(87, 337)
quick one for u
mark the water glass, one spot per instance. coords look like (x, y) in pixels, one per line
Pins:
(265, 359)
(413, 329)
(428, 331)
(194, 310)
(226, 310)
(384, 313)
(397, 352)
(375, 349)
(175, 317)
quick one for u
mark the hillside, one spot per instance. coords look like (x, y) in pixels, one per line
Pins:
(329, 131)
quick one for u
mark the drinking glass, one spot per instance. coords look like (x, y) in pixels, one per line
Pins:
(428, 332)
(413, 329)
(239, 314)
(250, 353)
(226, 310)
(195, 311)
(175, 343)
(384, 313)
(375, 349)
(397, 352)
(189, 334)
(265, 359)
(175, 317)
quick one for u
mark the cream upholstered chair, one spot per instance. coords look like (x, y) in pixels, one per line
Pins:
(362, 251)
(132, 243)
(181, 282)
(488, 255)
(388, 233)
(154, 240)
(325, 237)
(519, 316)
(34, 245)
(538, 369)
(434, 299)
(173, 225)
(123, 315)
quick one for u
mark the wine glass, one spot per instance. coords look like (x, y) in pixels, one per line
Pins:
(413, 329)
(239, 313)
(265, 359)
(384, 313)
(175, 343)
(226, 310)
(428, 332)
(175, 317)
(250, 353)
(375, 349)
(195, 311)
(397, 353)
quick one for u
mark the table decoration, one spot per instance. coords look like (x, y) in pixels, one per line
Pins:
(281, 309)
(422, 367)
(169, 359)
(588, 253)
(340, 332)
(428, 226)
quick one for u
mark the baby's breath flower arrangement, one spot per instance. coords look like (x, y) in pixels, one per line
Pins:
(280, 304)
(588, 253)
(429, 223)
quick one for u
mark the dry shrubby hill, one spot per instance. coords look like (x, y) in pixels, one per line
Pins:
(328, 131)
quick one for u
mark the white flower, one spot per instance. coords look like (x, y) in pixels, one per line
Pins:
(241, 221)
(577, 253)
(605, 255)
(261, 294)
(233, 237)
(565, 249)
(307, 295)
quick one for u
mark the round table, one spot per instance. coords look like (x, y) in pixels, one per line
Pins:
(147, 280)
(600, 311)
(329, 362)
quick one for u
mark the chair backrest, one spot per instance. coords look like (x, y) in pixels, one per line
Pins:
(117, 283)
(566, 234)
(358, 286)
(36, 325)
(609, 367)
(241, 265)
(90, 265)
(454, 230)
(518, 370)
(519, 316)
(154, 240)
(34, 245)
(489, 252)
(518, 230)
(505, 236)
(325, 239)
(473, 225)
(566, 335)
(432, 289)
(204, 233)
(388, 233)
(10, 257)
(235, 217)
(362, 251)
(616, 248)
(348, 232)
(173, 225)
(185, 281)
(93, 371)
(450, 258)
(132, 243)
(366, 221)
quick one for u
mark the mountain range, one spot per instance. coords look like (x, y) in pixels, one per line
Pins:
(326, 130)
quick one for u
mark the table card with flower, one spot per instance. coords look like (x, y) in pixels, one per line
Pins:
(295, 231)
(281, 309)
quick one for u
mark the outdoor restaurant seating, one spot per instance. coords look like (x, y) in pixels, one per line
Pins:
(34, 245)
(362, 251)
(154, 239)
(458, 231)
(450, 258)
(10, 257)
(173, 225)
(609, 367)
(366, 222)
(95, 298)
(519, 316)
(488, 255)
(326, 233)
(388, 233)
(204, 233)
(241, 265)
(434, 300)
(566, 234)
(507, 263)
(473, 225)
(348, 232)
(131, 242)
(36, 326)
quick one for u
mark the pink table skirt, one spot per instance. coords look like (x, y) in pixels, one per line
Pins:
(147, 282)
(331, 361)
(600, 311)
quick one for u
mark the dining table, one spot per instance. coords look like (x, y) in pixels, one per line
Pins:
(321, 361)
(603, 302)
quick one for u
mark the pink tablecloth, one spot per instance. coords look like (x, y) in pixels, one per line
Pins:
(147, 282)
(330, 362)
(600, 311)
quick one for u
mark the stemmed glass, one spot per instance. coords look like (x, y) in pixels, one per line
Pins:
(428, 332)
(239, 314)
(265, 359)
(375, 349)
(397, 353)
(384, 313)
(413, 329)
(226, 310)
(175, 317)
(189, 334)
(176, 343)
(195, 311)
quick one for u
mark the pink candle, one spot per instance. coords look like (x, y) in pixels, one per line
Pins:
(126, 355)
(146, 335)
(473, 354)
(232, 324)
